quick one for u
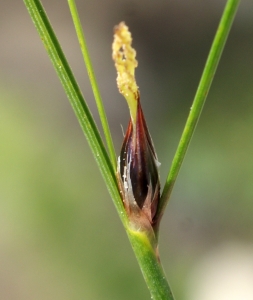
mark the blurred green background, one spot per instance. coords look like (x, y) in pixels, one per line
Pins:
(60, 236)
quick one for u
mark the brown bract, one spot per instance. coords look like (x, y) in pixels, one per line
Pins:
(138, 168)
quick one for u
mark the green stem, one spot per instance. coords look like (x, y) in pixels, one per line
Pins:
(199, 100)
(150, 266)
(77, 101)
(93, 81)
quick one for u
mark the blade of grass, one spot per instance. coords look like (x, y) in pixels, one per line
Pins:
(199, 100)
(77, 101)
(93, 81)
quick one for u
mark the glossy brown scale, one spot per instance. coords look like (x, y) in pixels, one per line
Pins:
(138, 154)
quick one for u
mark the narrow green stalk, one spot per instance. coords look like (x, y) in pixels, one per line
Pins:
(77, 101)
(93, 81)
(199, 100)
(150, 266)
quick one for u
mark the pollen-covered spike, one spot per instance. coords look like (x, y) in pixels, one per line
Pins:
(138, 175)
(125, 63)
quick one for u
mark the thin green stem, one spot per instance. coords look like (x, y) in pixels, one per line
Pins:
(199, 100)
(77, 101)
(93, 81)
(150, 266)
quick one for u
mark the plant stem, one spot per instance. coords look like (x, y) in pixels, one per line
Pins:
(150, 266)
(93, 81)
(77, 101)
(199, 100)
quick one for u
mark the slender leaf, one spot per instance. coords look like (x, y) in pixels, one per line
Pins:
(93, 81)
(199, 100)
(77, 101)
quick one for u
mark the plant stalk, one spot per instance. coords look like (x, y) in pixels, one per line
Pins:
(93, 81)
(150, 265)
(198, 102)
(77, 101)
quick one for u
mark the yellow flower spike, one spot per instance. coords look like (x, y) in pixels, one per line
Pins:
(137, 170)
(125, 63)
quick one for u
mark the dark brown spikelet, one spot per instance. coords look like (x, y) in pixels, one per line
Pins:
(137, 170)
(138, 166)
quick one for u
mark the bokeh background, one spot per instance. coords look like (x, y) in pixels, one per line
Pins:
(60, 236)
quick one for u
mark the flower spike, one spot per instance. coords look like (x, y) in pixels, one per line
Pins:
(124, 57)
(138, 175)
